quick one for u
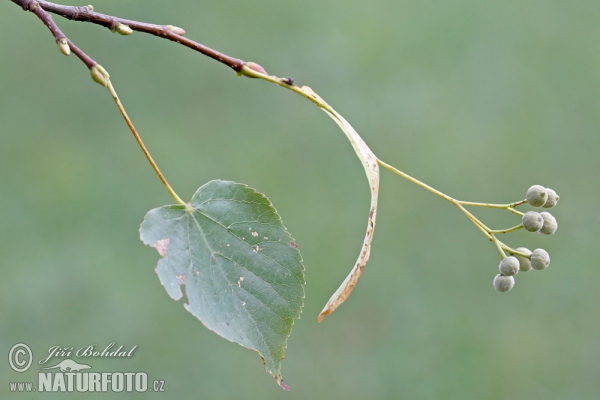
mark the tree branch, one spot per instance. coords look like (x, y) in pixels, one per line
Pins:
(86, 14)
(61, 39)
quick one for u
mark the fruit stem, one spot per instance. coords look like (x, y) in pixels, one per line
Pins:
(514, 228)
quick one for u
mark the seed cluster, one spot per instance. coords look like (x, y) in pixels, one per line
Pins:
(521, 258)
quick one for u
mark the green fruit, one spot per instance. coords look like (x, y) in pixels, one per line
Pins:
(509, 266)
(524, 263)
(532, 221)
(536, 196)
(540, 259)
(552, 198)
(503, 283)
(550, 224)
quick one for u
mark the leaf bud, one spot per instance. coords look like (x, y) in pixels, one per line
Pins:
(123, 29)
(503, 283)
(63, 46)
(540, 259)
(99, 75)
(90, 7)
(509, 266)
(255, 67)
(552, 198)
(524, 263)
(536, 196)
(176, 30)
(532, 221)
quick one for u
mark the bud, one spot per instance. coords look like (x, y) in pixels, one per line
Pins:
(532, 221)
(524, 263)
(255, 67)
(63, 46)
(536, 196)
(176, 30)
(509, 266)
(552, 198)
(90, 7)
(123, 29)
(540, 259)
(99, 75)
(503, 283)
(550, 224)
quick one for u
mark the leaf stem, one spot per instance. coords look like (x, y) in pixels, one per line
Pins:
(138, 139)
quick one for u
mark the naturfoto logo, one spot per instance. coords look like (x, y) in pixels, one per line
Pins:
(60, 373)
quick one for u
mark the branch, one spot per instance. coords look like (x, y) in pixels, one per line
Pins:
(251, 70)
(65, 45)
(98, 73)
(87, 14)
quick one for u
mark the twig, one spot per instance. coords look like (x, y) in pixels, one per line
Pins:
(87, 60)
(46, 18)
(86, 14)
(39, 8)
(370, 162)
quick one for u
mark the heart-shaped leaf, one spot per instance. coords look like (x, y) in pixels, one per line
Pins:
(242, 271)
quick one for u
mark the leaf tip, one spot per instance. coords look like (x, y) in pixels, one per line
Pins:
(279, 379)
(322, 315)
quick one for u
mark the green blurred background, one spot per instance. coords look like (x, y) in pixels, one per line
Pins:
(479, 99)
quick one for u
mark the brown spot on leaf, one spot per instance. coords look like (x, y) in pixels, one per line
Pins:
(294, 245)
(181, 278)
(161, 246)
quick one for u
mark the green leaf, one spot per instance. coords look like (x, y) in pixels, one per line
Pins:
(242, 272)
